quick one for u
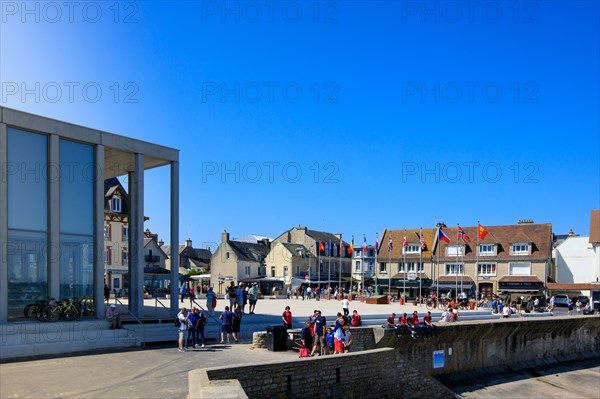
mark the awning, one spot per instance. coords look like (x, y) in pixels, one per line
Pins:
(448, 286)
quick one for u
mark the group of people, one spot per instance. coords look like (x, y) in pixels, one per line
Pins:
(242, 295)
(322, 340)
(412, 324)
(192, 322)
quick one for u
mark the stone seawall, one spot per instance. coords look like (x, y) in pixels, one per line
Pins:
(377, 373)
(513, 342)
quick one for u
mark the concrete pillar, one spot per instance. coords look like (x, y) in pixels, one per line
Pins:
(99, 231)
(3, 224)
(54, 218)
(136, 237)
(174, 255)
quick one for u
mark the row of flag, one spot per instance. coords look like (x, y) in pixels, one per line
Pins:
(326, 247)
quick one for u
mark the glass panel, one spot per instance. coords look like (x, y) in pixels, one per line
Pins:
(27, 172)
(76, 188)
(76, 266)
(27, 270)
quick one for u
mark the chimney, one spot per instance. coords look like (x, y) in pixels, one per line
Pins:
(525, 221)
(224, 236)
(161, 243)
(188, 242)
(571, 234)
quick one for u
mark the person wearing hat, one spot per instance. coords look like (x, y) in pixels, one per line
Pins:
(113, 317)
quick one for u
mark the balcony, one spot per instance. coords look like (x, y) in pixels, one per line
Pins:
(152, 258)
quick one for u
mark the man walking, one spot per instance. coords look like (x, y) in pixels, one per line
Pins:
(211, 301)
(320, 328)
(345, 305)
(226, 322)
(253, 297)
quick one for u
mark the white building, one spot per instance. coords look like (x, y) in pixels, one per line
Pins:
(574, 260)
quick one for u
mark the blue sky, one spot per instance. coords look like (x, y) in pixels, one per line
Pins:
(345, 116)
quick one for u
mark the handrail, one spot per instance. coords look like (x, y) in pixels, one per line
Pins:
(136, 319)
(156, 302)
(204, 310)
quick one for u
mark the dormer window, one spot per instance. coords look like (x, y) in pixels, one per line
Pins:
(520, 248)
(455, 250)
(411, 249)
(487, 249)
(116, 204)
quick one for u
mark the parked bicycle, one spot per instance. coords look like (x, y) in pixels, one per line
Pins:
(33, 309)
(64, 310)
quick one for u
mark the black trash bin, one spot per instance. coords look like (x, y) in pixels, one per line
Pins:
(277, 338)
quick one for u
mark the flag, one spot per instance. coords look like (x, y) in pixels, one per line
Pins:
(321, 246)
(422, 240)
(481, 232)
(328, 253)
(366, 248)
(405, 241)
(390, 244)
(442, 236)
(463, 235)
(351, 247)
(341, 247)
(376, 243)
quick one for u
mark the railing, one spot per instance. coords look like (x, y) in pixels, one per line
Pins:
(136, 319)
(156, 302)
(205, 311)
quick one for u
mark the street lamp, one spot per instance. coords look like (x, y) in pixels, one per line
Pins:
(220, 281)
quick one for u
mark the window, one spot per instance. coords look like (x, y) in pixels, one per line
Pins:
(455, 250)
(272, 271)
(247, 271)
(125, 233)
(285, 270)
(520, 268)
(116, 283)
(421, 266)
(297, 270)
(411, 249)
(520, 248)
(357, 266)
(226, 255)
(487, 249)
(486, 269)
(371, 267)
(109, 256)
(400, 267)
(125, 257)
(116, 204)
(453, 269)
(382, 267)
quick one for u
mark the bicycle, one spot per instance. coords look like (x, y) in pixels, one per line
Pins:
(431, 305)
(62, 310)
(33, 309)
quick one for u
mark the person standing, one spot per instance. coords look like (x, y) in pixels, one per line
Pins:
(308, 292)
(192, 332)
(232, 295)
(253, 297)
(226, 322)
(236, 323)
(191, 293)
(182, 316)
(320, 328)
(239, 292)
(200, 324)
(182, 292)
(552, 303)
(578, 305)
(306, 336)
(106, 293)
(345, 305)
(287, 317)
(211, 301)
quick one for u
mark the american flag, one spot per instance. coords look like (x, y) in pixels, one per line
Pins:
(390, 244)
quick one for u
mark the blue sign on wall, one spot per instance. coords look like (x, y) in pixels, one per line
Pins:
(438, 359)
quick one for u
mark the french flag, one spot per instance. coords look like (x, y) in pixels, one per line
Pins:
(442, 236)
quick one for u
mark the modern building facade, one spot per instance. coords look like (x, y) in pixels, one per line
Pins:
(52, 201)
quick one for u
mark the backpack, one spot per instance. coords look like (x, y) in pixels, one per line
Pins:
(177, 322)
(214, 301)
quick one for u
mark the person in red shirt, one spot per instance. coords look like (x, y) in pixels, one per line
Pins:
(355, 319)
(390, 320)
(427, 318)
(403, 320)
(287, 317)
(415, 318)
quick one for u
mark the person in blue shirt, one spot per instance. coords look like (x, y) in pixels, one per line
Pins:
(226, 323)
(329, 339)
(320, 326)
(192, 331)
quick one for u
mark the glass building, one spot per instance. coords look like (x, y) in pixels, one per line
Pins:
(52, 210)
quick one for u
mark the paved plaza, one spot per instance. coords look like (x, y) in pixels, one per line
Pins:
(159, 371)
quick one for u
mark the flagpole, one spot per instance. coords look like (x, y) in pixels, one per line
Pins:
(329, 272)
(376, 254)
(456, 275)
(389, 267)
(438, 263)
(419, 268)
(351, 267)
(477, 268)
(362, 269)
(342, 249)
(319, 271)
(404, 267)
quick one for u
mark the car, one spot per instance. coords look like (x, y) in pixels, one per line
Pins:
(583, 299)
(561, 300)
